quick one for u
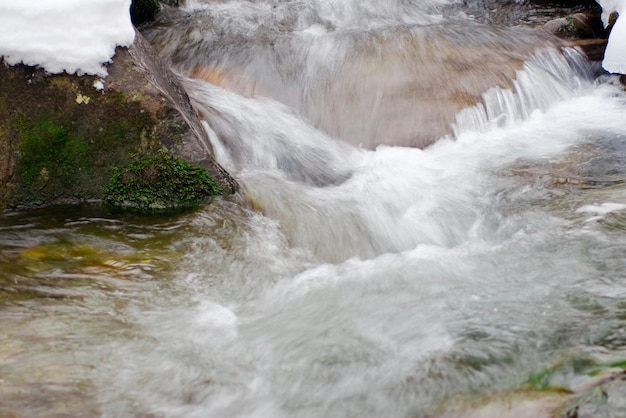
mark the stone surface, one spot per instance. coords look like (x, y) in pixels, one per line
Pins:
(61, 136)
(578, 26)
(593, 48)
(606, 398)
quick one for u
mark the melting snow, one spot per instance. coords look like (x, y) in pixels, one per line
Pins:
(76, 36)
(615, 53)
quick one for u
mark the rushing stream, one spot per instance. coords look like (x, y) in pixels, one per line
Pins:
(353, 276)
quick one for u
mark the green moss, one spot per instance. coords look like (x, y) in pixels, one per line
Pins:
(60, 138)
(577, 28)
(161, 182)
(48, 150)
(552, 377)
(66, 149)
(557, 376)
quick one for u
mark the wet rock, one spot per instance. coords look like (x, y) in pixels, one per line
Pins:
(593, 48)
(566, 3)
(160, 183)
(533, 12)
(577, 25)
(583, 30)
(511, 405)
(61, 136)
(605, 397)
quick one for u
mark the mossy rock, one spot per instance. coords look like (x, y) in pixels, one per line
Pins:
(62, 135)
(160, 183)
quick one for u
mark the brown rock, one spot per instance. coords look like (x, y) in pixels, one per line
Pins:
(576, 26)
(593, 48)
(61, 137)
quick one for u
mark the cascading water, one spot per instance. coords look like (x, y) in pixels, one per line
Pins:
(350, 277)
(362, 75)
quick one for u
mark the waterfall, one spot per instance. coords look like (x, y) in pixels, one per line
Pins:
(340, 201)
(548, 76)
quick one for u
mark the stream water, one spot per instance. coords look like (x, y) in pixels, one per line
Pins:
(354, 276)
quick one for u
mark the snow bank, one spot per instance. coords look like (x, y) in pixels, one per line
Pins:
(76, 36)
(615, 53)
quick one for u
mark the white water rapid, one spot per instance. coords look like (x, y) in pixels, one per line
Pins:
(350, 278)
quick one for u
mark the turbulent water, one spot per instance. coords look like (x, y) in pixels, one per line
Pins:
(353, 275)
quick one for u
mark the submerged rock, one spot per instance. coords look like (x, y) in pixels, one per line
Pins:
(62, 136)
(605, 398)
(574, 387)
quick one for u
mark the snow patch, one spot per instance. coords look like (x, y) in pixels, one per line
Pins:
(615, 53)
(98, 85)
(75, 36)
(608, 7)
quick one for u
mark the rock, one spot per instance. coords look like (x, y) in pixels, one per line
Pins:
(160, 183)
(62, 136)
(143, 11)
(577, 26)
(195, 146)
(509, 405)
(533, 12)
(604, 397)
(593, 48)
(583, 30)
(566, 3)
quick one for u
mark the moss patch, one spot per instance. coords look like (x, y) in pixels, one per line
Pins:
(60, 158)
(66, 136)
(47, 150)
(60, 137)
(161, 182)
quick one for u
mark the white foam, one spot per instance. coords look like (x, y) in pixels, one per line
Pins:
(602, 208)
